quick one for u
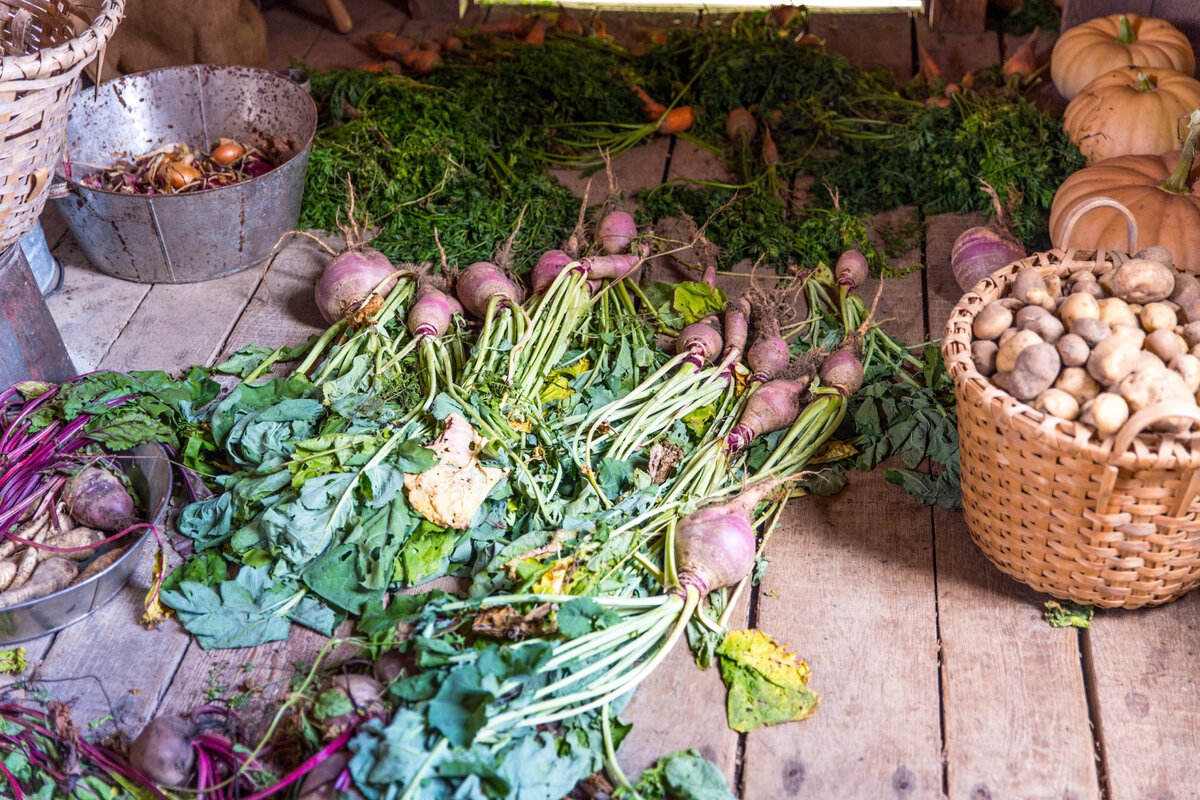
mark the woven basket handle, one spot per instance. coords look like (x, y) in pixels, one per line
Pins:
(1131, 226)
(1148, 416)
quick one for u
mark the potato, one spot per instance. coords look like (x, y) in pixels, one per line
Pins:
(1092, 331)
(1034, 372)
(1188, 312)
(1106, 413)
(1000, 380)
(1076, 382)
(1156, 253)
(1191, 333)
(1147, 359)
(1113, 359)
(1053, 286)
(1131, 332)
(1041, 322)
(1057, 403)
(1141, 280)
(1011, 303)
(1187, 289)
(992, 320)
(1078, 306)
(1116, 311)
(1089, 288)
(1030, 287)
(1006, 359)
(983, 353)
(1072, 350)
(1008, 334)
(1165, 343)
(1151, 385)
(1188, 367)
(1156, 316)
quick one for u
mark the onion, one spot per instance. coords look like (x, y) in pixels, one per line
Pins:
(980, 251)
(349, 279)
(616, 232)
(480, 282)
(851, 269)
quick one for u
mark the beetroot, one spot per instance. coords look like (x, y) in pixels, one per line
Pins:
(163, 751)
(96, 498)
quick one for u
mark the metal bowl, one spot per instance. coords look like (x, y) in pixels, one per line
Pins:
(182, 238)
(150, 473)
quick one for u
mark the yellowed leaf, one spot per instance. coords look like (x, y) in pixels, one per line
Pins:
(451, 492)
(834, 451)
(555, 579)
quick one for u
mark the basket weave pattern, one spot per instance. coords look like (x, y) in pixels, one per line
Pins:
(35, 94)
(1105, 521)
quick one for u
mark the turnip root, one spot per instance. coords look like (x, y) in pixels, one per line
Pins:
(737, 326)
(547, 268)
(843, 371)
(480, 282)
(616, 231)
(700, 340)
(97, 498)
(432, 312)
(49, 576)
(349, 279)
(163, 751)
(773, 406)
(612, 267)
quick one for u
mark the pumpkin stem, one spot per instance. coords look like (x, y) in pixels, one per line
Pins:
(1177, 183)
(1146, 83)
(1125, 34)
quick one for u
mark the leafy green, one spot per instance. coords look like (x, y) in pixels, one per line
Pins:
(582, 616)
(683, 775)
(767, 683)
(694, 301)
(1064, 613)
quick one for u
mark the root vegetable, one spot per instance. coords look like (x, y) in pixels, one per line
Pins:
(736, 326)
(80, 537)
(1166, 344)
(1106, 413)
(1041, 322)
(1030, 287)
(163, 751)
(1006, 358)
(101, 563)
(980, 251)
(767, 357)
(349, 279)
(1076, 382)
(97, 498)
(1113, 359)
(1092, 331)
(701, 341)
(321, 781)
(8, 571)
(1000, 380)
(1156, 316)
(1078, 306)
(388, 667)
(1115, 311)
(1132, 333)
(715, 545)
(1034, 372)
(613, 267)
(616, 231)
(547, 268)
(1187, 289)
(1072, 350)
(432, 313)
(851, 269)
(993, 320)
(1141, 280)
(983, 353)
(48, 576)
(1091, 287)
(480, 282)
(843, 371)
(1057, 403)
(773, 406)
(1153, 384)
(1191, 333)
(1188, 367)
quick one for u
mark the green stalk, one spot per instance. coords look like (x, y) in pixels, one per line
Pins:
(1177, 183)
(1125, 34)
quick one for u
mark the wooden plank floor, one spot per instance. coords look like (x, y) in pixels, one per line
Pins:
(937, 674)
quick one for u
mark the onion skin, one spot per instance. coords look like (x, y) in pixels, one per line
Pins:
(547, 268)
(980, 251)
(480, 282)
(432, 312)
(772, 407)
(851, 269)
(96, 498)
(349, 279)
(616, 232)
(843, 371)
(701, 341)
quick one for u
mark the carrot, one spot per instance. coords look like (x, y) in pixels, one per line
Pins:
(597, 27)
(1023, 62)
(740, 125)
(429, 44)
(770, 153)
(422, 62)
(677, 120)
(654, 109)
(379, 66)
(452, 44)
(389, 45)
(513, 26)
(929, 70)
(568, 24)
(537, 33)
(658, 37)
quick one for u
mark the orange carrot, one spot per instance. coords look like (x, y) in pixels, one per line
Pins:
(537, 34)
(677, 120)
(452, 44)
(740, 125)
(658, 37)
(422, 62)
(654, 109)
(389, 45)
(513, 26)
(1023, 61)
(770, 153)
(929, 70)
(597, 27)
(379, 66)
(429, 44)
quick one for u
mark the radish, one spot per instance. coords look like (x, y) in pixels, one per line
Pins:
(97, 498)
(432, 312)
(616, 232)
(350, 279)
(773, 406)
(479, 283)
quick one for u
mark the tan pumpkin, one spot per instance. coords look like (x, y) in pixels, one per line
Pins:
(1162, 192)
(1087, 51)
(1131, 110)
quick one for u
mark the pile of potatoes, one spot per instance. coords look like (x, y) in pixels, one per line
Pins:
(1096, 348)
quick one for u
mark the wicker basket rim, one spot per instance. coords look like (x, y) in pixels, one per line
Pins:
(1147, 450)
(61, 57)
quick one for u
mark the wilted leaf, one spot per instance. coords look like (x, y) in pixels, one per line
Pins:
(505, 622)
(451, 492)
(767, 683)
(664, 456)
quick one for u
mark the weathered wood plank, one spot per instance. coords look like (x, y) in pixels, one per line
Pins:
(958, 15)
(291, 33)
(850, 588)
(1015, 711)
(868, 40)
(333, 50)
(635, 170)
(636, 31)
(956, 54)
(1141, 667)
(92, 309)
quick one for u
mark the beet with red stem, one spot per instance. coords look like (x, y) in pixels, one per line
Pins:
(97, 498)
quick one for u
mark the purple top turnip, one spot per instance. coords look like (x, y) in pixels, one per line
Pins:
(349, 279)
(851, 269)
(773, 406)
(715, 546)
(480, 282)
(843, 371)
(616, 231)
(432, 312)
(700, 340)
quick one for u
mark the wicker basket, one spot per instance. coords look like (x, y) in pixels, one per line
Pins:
(36, 83)
(1105, 521)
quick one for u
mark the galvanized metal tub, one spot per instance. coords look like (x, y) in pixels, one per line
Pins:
(196, 236)
(150, 473)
